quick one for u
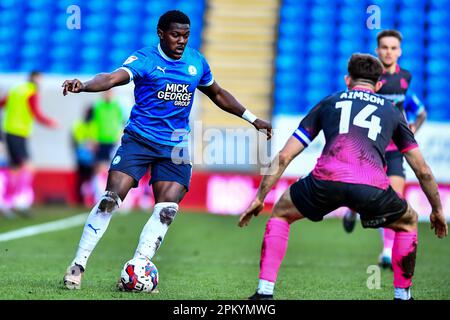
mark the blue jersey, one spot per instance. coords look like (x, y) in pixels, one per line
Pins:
(164, 93)
(413, 107)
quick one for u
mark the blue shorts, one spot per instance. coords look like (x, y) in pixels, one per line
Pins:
(167, 163)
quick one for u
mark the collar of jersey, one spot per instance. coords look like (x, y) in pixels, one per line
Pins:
(397, 69)
(362, 89)
(161, 52)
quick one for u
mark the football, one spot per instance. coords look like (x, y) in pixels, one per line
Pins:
(139, 275)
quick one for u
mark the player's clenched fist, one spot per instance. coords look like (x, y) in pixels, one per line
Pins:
(74, 86)
(265, 126)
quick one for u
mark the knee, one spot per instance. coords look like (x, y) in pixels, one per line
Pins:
(109, 202)
(409, 221)
(166, 212)
(283, 214)
(171, 194)
(412, 218)
(285, 210)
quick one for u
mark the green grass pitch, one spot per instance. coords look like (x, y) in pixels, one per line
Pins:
(208, 257)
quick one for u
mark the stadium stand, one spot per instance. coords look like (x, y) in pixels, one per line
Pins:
(241, 57)
(110, 31)
(307, 60)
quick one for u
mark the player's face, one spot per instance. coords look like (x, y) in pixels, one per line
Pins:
(389, 51)
(175, 39)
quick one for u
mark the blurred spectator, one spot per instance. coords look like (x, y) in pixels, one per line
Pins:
(21, 108)
(84, 146)
(5, 208)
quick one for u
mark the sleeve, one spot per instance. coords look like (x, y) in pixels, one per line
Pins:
(137, 65)
(413, 107)
(402, 136)
(310, 126)
(207, 78)
(419, 107)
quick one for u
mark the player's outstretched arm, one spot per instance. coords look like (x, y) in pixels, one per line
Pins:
(227, 102)
(430, 188)
(101, 82)
(279, 164)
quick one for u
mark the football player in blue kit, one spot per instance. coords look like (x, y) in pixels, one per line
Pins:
(165, 76)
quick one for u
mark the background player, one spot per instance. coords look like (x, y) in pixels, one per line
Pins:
(395, 82)
(21, 109)
(165, 77)
(108, 122)
(83, 141)
(358, 126)
(415, 111)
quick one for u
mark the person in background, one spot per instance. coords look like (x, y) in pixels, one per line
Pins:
(84, 145)
(108, 122)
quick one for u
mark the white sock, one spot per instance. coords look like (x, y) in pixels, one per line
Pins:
(94, 228)
(402, 293)
(265, 287)
(155, 229)
(387, 252)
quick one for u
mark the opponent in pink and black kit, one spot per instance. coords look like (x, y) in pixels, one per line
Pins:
(352, 167)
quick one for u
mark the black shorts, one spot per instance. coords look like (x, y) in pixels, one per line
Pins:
(394, 161)
(316, 198)
(104, 152)
(17, 149)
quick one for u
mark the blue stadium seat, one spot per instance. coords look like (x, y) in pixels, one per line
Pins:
(348, 46)
(438, 34)
(438, 16)
(438, 49)
(437, 66)
(104, 23)
(125, 39)
(286, 62)
(314, 95)
(291, 13)
(349, 14)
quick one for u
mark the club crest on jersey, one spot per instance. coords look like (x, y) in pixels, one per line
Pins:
(130, 59)
(192, 70)
(116, 160)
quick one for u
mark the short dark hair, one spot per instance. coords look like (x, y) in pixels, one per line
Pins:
(389, 33)
(34, 73)
(172, 16)
(364, 67)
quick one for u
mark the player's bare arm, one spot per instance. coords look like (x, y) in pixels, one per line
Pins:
(281, 161)
(101, 82)
(430, 188)
(419, 121)
(227, 102)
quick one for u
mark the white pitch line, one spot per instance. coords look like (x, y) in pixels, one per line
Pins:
(62, 224)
